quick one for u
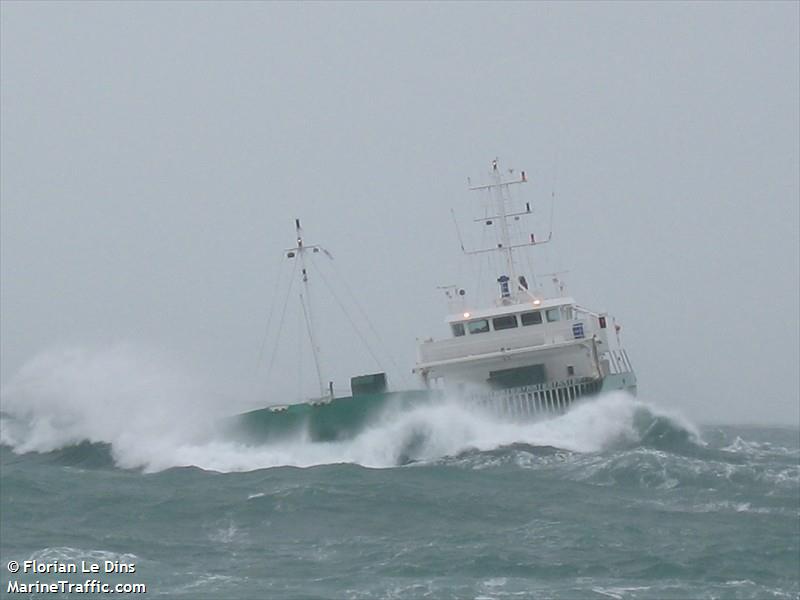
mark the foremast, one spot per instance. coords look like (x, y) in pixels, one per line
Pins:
(299, 253)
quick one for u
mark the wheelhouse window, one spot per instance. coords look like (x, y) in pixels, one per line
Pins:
(458, 329)
(553, 314)
(479, 326)
(531, 318)
(504, 322)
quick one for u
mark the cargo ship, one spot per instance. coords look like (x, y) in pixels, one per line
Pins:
(521, 354)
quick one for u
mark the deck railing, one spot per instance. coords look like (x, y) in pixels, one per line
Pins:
(530, 400)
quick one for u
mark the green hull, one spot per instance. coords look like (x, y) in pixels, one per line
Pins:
(341, 418)
(344, 418)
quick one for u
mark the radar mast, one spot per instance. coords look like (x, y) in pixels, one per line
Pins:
(501, 204)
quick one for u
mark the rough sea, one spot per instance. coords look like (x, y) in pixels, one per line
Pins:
(616, 499)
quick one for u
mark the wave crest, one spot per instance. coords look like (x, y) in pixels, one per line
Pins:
(151, 417)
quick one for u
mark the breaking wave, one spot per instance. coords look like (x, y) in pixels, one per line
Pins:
(93, 408)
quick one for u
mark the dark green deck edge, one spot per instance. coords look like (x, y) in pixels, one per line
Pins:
(345, 417)
(341, 418)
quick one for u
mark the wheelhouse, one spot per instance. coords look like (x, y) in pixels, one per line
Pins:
(514, 317)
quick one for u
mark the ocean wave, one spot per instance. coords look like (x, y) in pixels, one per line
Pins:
(756, 449)
(96, 408)
(134, 400)
(69, 555)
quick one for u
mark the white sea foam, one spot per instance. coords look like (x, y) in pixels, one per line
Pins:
(132, 398)
(153, 419)
(68, 555)
(759, 449)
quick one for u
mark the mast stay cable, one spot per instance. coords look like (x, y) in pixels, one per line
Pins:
(349, 318)
(309, 329)
(365, 316)
(272, 305)
(280, 324)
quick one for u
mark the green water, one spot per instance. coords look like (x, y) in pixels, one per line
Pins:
(613, 500)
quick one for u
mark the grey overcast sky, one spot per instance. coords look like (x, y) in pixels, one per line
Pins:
(154, 156)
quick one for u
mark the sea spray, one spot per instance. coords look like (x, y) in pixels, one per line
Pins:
(152, 417)
(525, 521)
(615, 498)
(134, 399)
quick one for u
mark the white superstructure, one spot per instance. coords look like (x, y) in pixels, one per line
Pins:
(527, 352)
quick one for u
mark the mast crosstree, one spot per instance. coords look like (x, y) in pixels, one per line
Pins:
(500, 201)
